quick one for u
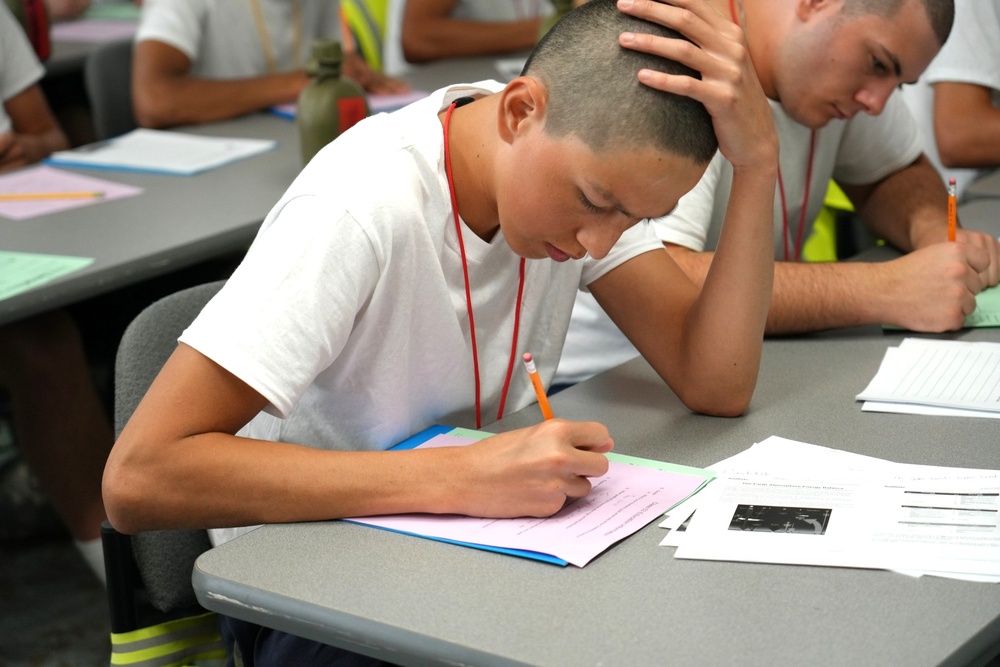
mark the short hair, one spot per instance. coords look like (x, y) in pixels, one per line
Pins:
(594, 90)
(940, 13)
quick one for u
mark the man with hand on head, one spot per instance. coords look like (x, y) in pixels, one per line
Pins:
(830, 69)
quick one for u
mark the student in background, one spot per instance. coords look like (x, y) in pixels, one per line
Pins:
(957, 99)
(60, 426)
(198, 61)
(829, 69)
(347, 327)
(425, 30)
(61, 10)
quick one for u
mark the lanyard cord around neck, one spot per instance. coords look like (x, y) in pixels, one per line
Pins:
(265, 37)
(468, 290)
(785, 231)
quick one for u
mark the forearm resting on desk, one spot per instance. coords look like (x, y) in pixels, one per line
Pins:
(929, 290)
(178, 464)
(164, 94)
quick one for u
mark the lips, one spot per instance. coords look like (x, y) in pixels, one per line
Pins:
(556, 254)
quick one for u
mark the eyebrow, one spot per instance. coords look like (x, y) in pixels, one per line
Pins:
(612, 201)
(617, 205)
(893, 59)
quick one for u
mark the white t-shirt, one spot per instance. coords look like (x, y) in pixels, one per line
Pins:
(349, 311)
(224, 41)
(19, 67)
(861, 150)
(971, 55)
(492, 11)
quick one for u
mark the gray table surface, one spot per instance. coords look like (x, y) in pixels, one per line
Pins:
(176, 221)
(417, 602)
(986, 186)
(981, 214)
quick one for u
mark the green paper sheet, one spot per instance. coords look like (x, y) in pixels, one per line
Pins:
(22, 271)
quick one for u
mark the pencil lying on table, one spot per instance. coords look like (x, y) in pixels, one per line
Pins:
(32, 196)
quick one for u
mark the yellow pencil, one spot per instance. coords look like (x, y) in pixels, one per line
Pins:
(31, 196)
(536, 382)
(952, 210)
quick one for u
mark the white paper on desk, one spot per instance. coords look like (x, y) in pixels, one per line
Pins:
(944, 373)
(918, 518)
(160, 151)
(621, 502)
(931, 410)
(773, 453)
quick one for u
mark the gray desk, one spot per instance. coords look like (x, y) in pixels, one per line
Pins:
(987, 186)
(418, 602)
(432, 76)
(176, 222)
(981, 214)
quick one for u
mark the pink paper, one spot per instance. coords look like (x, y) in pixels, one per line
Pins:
(93, 30)
(49, 179)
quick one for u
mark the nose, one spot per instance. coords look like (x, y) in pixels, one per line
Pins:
(597, 239)
(873, 96)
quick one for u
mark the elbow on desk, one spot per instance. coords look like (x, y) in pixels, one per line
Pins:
(714, 401)
(152, 116)
(417, 49)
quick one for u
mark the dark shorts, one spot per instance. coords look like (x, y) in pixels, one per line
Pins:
(251, 645)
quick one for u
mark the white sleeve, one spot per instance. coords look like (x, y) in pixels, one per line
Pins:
(19, 67)
(688, 225)
(177, 23)
(874, 147)
(972, 52)
(288, 309)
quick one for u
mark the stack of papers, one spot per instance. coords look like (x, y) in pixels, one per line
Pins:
(937, 377)
(161, 152)
(782, 501)
(633, 493)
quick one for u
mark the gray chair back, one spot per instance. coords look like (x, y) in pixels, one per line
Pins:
(164, 558)
(107, 77)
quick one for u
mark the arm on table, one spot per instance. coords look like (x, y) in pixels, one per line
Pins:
(165, 94)
(430, 33)
(178, 464)
(931, 288)
(36, 133)
(706, 343)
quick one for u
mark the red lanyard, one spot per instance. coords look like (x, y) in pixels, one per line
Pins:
(785, 235)
(468, 290)
(805, 203)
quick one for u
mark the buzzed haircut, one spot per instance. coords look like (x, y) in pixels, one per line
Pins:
(940, 13)
(594, 92)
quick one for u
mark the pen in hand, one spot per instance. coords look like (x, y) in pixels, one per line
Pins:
(536, 382)
(952, 210)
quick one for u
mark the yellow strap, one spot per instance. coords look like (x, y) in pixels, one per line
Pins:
(366, 21)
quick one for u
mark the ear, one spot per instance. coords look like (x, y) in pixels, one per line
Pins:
(807, 9)
(522, 106)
